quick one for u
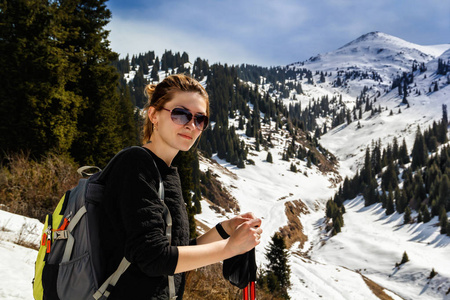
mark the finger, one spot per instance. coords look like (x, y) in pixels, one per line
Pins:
(248, 215)
(258, 239)
(238, 221)
(243, 218)
(255, 222)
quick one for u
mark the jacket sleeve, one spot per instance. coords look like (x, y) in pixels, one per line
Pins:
(142, 215)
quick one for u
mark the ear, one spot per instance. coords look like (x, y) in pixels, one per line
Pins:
(152, 114)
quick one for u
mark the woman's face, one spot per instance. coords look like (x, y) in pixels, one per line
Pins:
(174, 136)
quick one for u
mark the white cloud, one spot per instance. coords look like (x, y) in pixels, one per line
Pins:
(139, 36)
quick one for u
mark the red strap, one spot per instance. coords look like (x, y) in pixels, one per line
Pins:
(245, 293)
(64, 224)
(49, 244)
(252, 290)
(44, 238)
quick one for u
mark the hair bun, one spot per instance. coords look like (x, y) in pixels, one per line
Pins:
(149, 90)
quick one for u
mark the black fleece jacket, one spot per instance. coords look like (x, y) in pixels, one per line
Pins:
(133, 225)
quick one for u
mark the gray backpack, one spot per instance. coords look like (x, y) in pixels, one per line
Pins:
(68, 263)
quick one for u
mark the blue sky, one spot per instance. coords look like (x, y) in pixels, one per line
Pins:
(268, 33)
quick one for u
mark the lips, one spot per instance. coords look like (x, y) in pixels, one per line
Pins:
(185, 136)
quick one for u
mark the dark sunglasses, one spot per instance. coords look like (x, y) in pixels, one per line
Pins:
(183, 116)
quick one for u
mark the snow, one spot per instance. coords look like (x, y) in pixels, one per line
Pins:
(370, 243)
(381, 245)
(17, 262)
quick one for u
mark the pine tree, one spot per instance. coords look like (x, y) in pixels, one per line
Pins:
(441, 135)
(187, 163)
(444, 193)
(395, 149)
(370, 193)
(432, 274)
(390, 203)
(425, 213)
(444, 114)
(403, 153)
(443, 220)
(399, 200)
(241, 163)
(420, 192)
(99, 126)
(277, 255)
(419, 152)
(419, 217)
(139, 83)
(366, 173)
(405, 93)
(436, 87)
(407, 215)
(293, 168)
(389, 177)
(154, 74)
(405, 258)
(269, 157)
(130, 120)
(322, 77)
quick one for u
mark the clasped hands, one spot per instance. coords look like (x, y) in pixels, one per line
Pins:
(245, 232)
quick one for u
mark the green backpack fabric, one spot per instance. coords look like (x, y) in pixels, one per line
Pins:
(68, 264)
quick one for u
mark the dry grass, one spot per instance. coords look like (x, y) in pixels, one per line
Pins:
(33, 188)
(218, 195)
(25, 237)
(209, 283)
(293, 232)
(376, 289)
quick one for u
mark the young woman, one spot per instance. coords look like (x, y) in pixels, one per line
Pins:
(176, 113)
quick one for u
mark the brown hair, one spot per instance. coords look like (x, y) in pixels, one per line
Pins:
(159, 94)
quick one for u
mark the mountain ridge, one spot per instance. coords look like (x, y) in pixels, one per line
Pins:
(377, 51)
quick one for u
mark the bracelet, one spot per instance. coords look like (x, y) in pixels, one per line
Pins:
(222, 231)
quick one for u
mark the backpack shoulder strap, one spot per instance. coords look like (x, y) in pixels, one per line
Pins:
(104, 291)
(103, 172)
(168, 219)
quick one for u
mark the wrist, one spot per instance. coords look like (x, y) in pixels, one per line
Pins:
(229, 249)
(222, 232)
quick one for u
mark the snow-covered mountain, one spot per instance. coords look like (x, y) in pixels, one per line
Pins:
(377, 54)
(371, 243)
(371, 63)
(359, 262)
(377, 51)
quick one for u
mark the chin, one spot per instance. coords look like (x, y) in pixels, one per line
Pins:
(186, 148)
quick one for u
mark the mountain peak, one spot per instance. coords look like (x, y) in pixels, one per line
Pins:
(375, 37)
(371, 35)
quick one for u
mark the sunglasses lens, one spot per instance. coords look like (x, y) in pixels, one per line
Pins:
(201, 122)
(181, 116)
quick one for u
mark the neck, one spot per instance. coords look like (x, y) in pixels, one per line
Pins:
(166, 156)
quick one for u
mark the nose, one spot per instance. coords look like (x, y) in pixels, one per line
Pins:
(191, 124)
